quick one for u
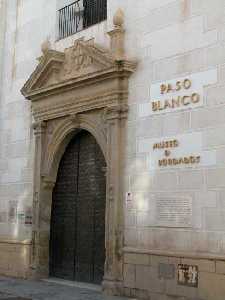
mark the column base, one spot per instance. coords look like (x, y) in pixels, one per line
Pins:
(112, 287)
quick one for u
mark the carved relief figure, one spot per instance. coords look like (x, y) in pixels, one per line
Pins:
(76, 59)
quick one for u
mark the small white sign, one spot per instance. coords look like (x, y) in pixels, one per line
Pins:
(129, 197)
(178, 94)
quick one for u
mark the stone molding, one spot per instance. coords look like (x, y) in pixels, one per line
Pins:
(192, 255)
(86, 87)
(16, 242)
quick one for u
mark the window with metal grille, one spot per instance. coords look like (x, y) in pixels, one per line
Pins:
(79, 15)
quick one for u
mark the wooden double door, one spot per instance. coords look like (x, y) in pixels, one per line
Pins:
(77, 238)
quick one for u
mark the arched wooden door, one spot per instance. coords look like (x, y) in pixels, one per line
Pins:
(77, 238)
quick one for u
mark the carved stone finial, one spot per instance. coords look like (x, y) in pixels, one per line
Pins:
(118, 19)
(45, 46)
(117, 36)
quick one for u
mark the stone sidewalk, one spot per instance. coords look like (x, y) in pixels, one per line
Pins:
(17, 289)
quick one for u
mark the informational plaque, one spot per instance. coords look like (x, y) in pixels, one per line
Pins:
(174, 211)
(12, 211)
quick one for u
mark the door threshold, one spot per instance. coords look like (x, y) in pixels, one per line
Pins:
(81, 285)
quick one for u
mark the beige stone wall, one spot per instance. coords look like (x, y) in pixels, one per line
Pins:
(174, 39)
(2, 35)
(15, 258)
(142, 280)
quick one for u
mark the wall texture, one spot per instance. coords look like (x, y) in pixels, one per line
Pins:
(171, 39)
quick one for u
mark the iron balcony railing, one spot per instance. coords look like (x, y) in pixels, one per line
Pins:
(80, 15)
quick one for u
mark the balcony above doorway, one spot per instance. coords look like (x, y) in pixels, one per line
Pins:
(80, 15)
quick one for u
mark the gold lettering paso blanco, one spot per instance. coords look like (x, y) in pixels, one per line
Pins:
(168, 88)
(179, 161)
(175, 102)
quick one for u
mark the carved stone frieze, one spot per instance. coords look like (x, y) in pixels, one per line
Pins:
(77, 59)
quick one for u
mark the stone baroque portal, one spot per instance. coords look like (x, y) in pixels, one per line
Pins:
(86, 87)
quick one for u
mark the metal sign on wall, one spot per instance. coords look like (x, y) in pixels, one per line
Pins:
(187, 275)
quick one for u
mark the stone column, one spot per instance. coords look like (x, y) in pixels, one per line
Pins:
(113, 278)
(37, 240)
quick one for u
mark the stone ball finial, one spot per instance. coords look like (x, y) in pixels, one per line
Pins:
(45, 46)
(118, 19)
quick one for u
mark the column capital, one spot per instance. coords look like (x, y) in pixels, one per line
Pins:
(48, 182)
(116, 112)
(39, 127)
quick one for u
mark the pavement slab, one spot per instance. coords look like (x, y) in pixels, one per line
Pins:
(18, 289)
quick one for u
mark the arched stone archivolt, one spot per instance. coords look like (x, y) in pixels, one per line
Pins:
(62, 135)
(93, 98)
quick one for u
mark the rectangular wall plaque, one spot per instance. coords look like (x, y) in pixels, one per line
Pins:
(28, 216)
(178, 94)
(174, 211)
(187, 275)
(12, 211)
(176, 151)
(166, 271)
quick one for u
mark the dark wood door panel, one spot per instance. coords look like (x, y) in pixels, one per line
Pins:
(77, 244)
(63, 221)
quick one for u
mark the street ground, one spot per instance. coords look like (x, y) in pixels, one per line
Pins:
(18, 289)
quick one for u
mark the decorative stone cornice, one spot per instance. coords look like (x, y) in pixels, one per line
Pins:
(46, 73)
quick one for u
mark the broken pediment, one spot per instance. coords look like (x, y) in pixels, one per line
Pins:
(82, 64)
(83, 59)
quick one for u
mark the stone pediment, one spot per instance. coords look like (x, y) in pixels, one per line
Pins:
(84, 59)
(84, 77)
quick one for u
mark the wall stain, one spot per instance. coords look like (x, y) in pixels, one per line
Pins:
(18, 4)
(185, 9)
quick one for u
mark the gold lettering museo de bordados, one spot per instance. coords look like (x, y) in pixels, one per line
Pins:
(178, 101)
(179, 161)
(167, 146)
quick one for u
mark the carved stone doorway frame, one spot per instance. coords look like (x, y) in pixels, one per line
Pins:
(86, 87)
